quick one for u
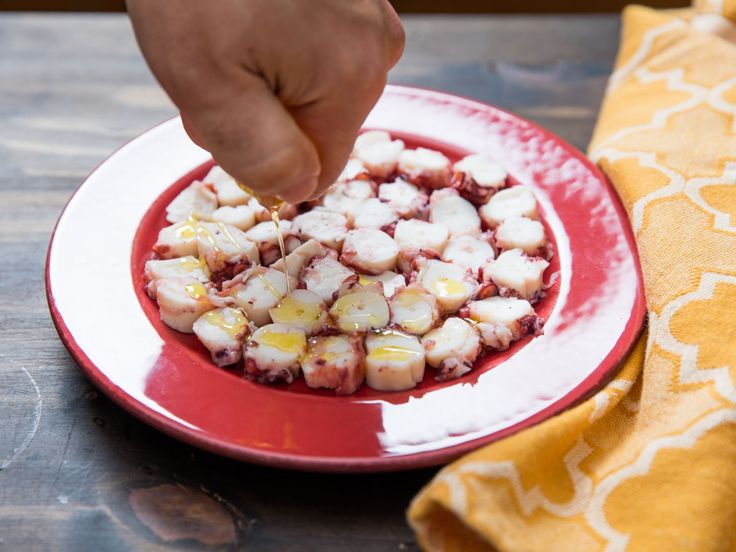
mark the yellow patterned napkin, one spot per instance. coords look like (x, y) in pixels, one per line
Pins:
(649, 463)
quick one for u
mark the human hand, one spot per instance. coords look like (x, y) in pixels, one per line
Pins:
(276, 90)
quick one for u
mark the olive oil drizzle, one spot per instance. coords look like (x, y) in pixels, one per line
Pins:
(273, 204)
(282, 246)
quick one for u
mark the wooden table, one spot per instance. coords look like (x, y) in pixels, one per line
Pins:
(78, 473)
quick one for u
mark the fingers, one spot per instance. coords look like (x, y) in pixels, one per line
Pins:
(276, 91)
(332, 123)
(255, 139)
(226, 109)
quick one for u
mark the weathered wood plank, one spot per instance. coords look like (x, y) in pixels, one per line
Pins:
(78, 473)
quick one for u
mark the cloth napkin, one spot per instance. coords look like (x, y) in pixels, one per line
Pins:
(649, 462)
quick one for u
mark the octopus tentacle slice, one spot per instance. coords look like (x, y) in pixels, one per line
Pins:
(419, 238)
(266, 238)
(226, 250)
(325, 275)
(405, 199)
(390, 280)
(469, 251)
(335, 362)
(378, 152)
(223, 331)
(242, 217)
(177, 240)
(302, 309)
(354, 170)
(183, 267)
(361, 310)
(181, 301)
(450, 284)
(414, 310)
(372, 213)
(369, 250)
(516, 274)
(425, 167)
(274, 353)
(226, 188)
(299, 257)
(260, 291)
(394, 360)
(502, 320)
(344, 196)
(447, 207)
(478, 176)
(326, 227)
(452, 348)
(517, 201)
(196, 200)
(521, 233)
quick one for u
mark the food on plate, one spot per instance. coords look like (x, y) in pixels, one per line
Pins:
(425, 167)
(197, 200)
(335, 362)
(394, 360)
(501, 320)
(242, 217)
(342, 197)
(326, 227)
(404, 199)
(452, 285)
(299, 257)
(266, 238)
(410, 258)
(372, 213)
(225, 249)
(157, 270)
(361, 310)
(390, 280)
(177, 240)
(516, 274)
(414, 310)
(181, 301)
(452, 348)
(369, 250)
(227, 190)
(517, 201)
(447, 207)
(258, 291)
(470, 251)
(301, 309)
(378, 152)
(325, 275)
(521, 233)
(479, 176)
(419, 239)
(274, 353)
(223, 331)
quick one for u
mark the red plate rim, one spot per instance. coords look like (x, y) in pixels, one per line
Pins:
(584, 389)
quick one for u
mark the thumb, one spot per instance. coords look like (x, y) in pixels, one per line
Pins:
(256, 140)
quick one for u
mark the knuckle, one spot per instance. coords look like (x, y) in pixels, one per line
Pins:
(396, 37)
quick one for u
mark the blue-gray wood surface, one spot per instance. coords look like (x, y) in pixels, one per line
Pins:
(77, 472)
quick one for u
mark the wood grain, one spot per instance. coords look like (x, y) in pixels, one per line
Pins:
(78, 473)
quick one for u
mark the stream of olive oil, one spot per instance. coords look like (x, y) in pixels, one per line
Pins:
(280, 235)
(273, 204)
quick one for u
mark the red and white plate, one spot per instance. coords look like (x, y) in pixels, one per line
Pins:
(594, 310)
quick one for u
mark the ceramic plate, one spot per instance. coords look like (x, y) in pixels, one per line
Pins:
(594, 310)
